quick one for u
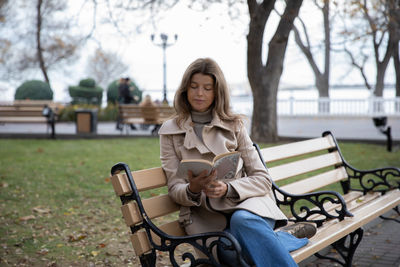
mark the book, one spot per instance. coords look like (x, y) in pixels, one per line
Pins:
(226, 165)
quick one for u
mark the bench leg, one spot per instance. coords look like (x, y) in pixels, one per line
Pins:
(396, 209)
(346, 252)
(148, 260)
(155, 130)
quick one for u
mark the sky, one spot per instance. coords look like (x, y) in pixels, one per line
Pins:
(200, 34)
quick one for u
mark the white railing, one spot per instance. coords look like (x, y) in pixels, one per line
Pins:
(376, 106)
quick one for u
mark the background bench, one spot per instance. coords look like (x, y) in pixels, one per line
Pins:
(310, 165)
(148, 115)
(30, 111)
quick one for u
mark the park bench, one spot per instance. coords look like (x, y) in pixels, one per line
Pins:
(144, 115)
(30, 111)
(302, 169)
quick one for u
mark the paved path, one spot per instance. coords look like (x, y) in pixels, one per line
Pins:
(349, 128)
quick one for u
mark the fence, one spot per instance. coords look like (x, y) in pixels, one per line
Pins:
(376, 106)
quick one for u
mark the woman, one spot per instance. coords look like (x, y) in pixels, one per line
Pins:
(244, 206)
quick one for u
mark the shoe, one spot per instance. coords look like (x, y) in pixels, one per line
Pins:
(133, 127)
(300, 229)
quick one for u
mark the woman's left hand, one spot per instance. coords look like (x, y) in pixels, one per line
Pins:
(216, 189)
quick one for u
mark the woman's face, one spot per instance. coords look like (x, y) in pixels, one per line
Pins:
(201, 92)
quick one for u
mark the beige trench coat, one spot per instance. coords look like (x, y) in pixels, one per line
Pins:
(252, 182)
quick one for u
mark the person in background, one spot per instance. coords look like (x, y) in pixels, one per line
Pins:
(147, 102)
(124, 94)
(243, 206)
(128, 94)
(149, 117)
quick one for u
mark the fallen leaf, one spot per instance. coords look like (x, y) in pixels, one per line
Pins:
(101, 245)
(43, 251)
(41, 210)
(3, 185)
(40, 150)
(107, 180)
(27, 218)
(72, 238)
(95, 253)
(60, 245)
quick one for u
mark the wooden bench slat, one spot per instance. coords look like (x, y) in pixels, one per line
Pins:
(316, 182)
(155, 207)
(291, 169)
(159, 206)
(328, 234)
(285, 151)
(23, 119)
(144, 180)
(140, 242)
(150, 178)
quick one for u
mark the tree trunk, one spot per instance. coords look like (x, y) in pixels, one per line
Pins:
(396, 62)
(38, 41)
(264, 80)
(321, 78)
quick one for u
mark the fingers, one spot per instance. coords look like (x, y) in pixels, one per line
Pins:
(200, 182)
(216, 189)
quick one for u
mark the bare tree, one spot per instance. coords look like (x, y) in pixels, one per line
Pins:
(321, 76)
(264, 79)
(394, 31)
(105, 66)
(375, 24)
(36, 35)
(322, 80)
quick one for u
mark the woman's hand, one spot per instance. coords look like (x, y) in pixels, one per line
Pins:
(201, 182)
(216, 189)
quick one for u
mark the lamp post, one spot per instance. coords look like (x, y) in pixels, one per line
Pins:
(164, 44)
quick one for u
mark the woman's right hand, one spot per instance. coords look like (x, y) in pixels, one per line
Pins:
(200, 182)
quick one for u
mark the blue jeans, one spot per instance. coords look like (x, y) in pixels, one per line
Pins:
(260, 244)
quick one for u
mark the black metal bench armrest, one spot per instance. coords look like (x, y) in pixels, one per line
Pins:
(205, 242)
(375, 180)
(299, 205)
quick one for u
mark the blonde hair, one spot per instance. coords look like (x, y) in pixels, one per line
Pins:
(221, 104)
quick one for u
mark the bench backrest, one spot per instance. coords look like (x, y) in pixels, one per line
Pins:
(150, 113)
(313, 158)
(27, 108)
(299, 166)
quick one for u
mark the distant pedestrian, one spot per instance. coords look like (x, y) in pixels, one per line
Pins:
(125, 96)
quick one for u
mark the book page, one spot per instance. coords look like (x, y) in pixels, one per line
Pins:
(226, 166)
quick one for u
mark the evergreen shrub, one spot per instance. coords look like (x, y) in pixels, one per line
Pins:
(34, 90)
(87, 92)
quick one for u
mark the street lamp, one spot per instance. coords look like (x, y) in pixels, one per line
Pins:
(164, 44)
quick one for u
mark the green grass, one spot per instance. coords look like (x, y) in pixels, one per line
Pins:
(58, 205)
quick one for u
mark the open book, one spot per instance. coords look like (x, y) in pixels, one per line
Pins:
(225, 164)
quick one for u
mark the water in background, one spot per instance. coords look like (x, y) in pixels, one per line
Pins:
(244, 103)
